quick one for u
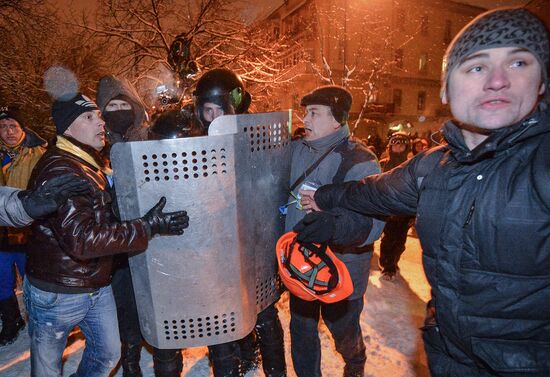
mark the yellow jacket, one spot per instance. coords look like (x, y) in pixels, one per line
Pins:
(17, 175)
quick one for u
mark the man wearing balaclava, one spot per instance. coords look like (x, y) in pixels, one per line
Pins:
(122, 109)
(482, 203)
(126, 120)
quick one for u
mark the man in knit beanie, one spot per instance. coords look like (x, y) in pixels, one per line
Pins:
(482, 204)
(70, 254)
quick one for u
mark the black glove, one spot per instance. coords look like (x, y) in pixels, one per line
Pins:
(172, 223)
(318, 227)
(48, 197)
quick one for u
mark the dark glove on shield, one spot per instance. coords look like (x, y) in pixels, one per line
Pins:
(172, 223)
(317, 227)
(48, 197)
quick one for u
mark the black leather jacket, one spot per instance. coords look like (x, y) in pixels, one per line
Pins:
(74, 247)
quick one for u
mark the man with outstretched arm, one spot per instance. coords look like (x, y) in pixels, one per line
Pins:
(482, 203)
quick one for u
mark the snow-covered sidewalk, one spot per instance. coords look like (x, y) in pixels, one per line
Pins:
(391, 319)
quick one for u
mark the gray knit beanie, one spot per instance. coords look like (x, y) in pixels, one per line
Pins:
(504, 27)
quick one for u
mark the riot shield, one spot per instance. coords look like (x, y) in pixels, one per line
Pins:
(206, 286)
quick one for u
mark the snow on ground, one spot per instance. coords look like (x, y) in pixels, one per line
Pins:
(390, 321)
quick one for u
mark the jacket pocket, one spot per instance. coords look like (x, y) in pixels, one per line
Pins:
(514, 356)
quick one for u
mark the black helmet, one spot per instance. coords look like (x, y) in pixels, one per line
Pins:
(171, 124)
(399, 138)
(224, 88)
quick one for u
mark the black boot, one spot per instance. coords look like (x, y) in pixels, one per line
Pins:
(12, 322)
(225, 359)
(167, 362)
(250, 353)
(130, 355)
(272, 347)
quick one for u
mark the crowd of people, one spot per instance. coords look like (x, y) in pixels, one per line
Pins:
(480, 202)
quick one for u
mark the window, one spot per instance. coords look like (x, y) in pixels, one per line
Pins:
(276, 32)
(397, 98)
(421, 105)
(424, 27)
(447, 33)
(399, 58)
(423, 63)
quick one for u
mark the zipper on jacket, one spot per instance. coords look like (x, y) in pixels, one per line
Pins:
(470, 214)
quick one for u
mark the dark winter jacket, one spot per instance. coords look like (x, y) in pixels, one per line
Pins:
(483, 219)
(74, 248)
(110, 87)
(347, 161)
(393, 160)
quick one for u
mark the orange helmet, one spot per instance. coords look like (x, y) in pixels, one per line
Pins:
(311, 271)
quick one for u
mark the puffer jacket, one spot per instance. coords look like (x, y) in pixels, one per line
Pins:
(110, 87)
(483, 219)
(75, 247)
(17, 175)
(28, 154)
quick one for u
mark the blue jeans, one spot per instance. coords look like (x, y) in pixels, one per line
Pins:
(51, 318)
(7, 276)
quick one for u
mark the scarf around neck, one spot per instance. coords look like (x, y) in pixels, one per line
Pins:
(68, 146)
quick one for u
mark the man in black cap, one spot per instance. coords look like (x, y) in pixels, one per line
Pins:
(70, 254)
(482, 203)
(327, 155)
(19, 208)
(20, 149)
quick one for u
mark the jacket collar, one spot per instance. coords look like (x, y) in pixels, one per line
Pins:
(328, 141)
(84, 152)
(501, 139)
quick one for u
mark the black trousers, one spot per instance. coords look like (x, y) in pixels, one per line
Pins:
(392, 244)
(342, 320)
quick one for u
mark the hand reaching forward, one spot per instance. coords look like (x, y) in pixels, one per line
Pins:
(48, 197)
(171, 223)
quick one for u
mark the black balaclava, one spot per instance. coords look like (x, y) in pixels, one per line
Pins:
(119, 121)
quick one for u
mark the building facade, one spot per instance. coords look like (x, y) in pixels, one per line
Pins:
(388, 53)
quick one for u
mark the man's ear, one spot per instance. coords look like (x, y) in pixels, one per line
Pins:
(542, 89)
(444, 97)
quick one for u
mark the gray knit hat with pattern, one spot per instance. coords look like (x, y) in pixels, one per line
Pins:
(503, 27)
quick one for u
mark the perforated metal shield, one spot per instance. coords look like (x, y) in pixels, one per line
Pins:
(207, 286)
